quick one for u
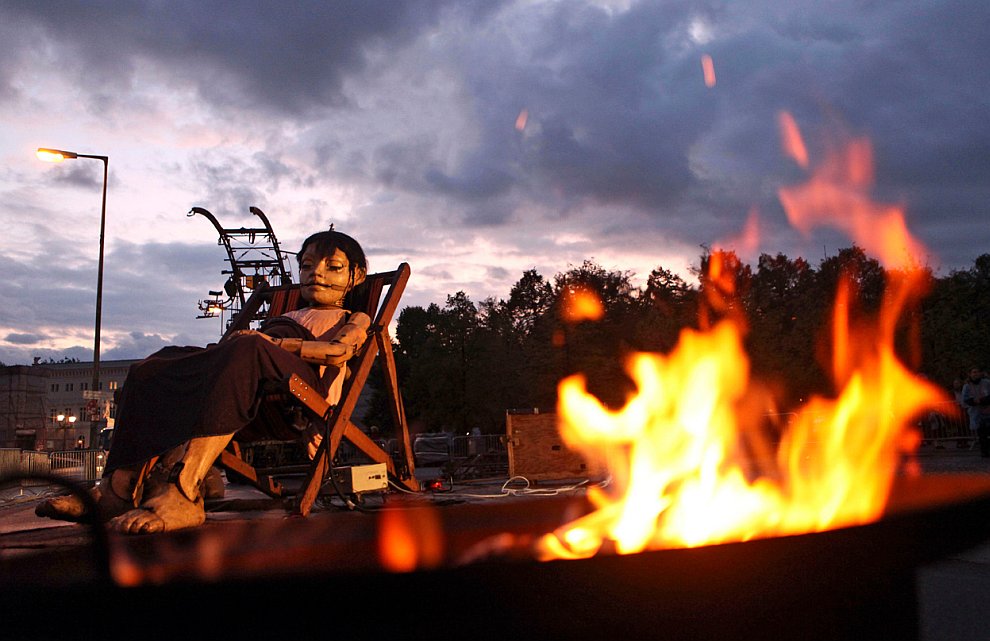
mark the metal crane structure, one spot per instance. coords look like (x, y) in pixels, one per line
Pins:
(255, 260)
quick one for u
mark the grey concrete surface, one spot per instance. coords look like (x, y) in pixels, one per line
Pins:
(954, 594)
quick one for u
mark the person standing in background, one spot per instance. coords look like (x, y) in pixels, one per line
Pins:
(976, 397)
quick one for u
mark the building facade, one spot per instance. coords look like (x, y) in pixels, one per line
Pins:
(50, 406)
(22, 406)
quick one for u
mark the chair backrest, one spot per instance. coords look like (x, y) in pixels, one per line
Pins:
(379, 297)
(367, 297)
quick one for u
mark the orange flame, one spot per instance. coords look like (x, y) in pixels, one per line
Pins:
(521, 119)
(837, 195)
(748, 240)
(581, 304)
(708, 69)
(410, 539)
(681, 474)
(791, 139)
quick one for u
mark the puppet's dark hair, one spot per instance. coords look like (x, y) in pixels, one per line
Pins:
(325, 243)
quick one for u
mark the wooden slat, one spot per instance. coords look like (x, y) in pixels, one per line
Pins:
(265, 483)
(339, 417)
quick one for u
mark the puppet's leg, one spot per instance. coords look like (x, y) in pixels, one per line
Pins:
(213, 485)
(173, 498)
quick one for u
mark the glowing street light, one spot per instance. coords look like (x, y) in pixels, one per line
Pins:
(58, 155)
(66, 423)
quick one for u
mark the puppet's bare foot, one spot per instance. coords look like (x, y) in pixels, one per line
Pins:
(173, 495)
(66, 508)
(108, 503)
(168, 510)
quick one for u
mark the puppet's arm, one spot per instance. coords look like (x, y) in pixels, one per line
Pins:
(336, 351)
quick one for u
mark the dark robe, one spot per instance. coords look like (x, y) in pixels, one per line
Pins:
(180, 393)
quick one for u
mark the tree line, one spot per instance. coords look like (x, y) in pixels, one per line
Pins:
(462, 365)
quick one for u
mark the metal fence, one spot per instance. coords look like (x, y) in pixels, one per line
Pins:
(468, 446)
(946, 424)
(81, 466)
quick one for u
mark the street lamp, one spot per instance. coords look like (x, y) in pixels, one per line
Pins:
(58, 155)
(65, 423)
(60, 424)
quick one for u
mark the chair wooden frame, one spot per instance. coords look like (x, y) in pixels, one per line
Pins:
(383, 289)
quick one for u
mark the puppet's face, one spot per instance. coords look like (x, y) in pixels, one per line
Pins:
(326, 279)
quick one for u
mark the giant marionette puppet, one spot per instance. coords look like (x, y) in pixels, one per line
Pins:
(179, 408)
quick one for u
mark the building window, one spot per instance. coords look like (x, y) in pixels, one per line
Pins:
(54, 387)
(84, 386)
(113, 385)
(68, 387)
(101, 386)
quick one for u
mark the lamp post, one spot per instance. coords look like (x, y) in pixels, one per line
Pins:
(65, 423)
(58, 155)
(60, 422)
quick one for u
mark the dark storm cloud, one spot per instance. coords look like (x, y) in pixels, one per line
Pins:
(613, 119)
(138, 345)
(606, 95)
(24, 339)
(155, 287)
(618, 116)
(498, 273)
(40, 291)
(281, 57)
(79, 175)
(150, 290)
(618, 113)
(230, 184)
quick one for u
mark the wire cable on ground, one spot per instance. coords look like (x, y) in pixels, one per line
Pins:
(528, 490)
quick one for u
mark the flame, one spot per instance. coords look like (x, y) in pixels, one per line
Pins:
(791, 139)
(522, 119)
(837, 195)
(581, 304)
(682, 474)
(410, 539)
(708, 69)
(748, 240)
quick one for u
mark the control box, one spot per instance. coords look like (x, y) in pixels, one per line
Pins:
(360, 479)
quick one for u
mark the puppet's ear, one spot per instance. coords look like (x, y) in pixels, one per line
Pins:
(359, 275)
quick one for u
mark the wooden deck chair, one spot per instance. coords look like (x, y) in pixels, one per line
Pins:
(379, 297)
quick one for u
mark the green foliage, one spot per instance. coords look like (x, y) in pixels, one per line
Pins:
(463, 365)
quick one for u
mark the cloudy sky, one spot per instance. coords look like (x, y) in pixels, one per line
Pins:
(473, 140)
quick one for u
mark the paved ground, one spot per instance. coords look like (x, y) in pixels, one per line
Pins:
(954, 593)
